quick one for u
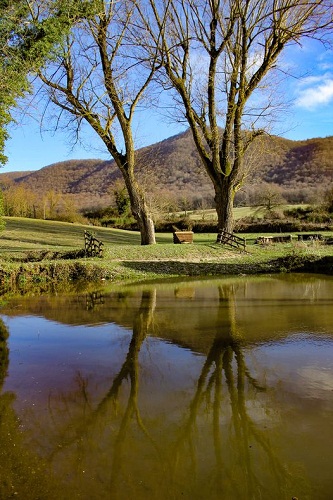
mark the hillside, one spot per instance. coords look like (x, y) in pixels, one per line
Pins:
(173, 166)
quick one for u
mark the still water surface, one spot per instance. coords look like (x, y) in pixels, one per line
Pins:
(212, 389)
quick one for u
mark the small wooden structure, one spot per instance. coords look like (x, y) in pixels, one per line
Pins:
(310, 237)
(230, 240)
(182, 236)
(273, 239)
(92, 246)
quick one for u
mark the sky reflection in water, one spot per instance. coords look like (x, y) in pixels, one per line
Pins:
(213, 389)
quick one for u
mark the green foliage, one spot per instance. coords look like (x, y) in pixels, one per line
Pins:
(13, 73)
(27, 44)
(122, 199)
(312, 214)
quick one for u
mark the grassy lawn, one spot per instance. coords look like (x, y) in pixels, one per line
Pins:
(24, 235)
(27, 235)
(32, 251)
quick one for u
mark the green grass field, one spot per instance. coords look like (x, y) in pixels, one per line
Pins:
(32, 251)
(26, 235)
(34, 234)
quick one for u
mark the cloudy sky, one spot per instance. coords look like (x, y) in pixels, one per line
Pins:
(309, 91)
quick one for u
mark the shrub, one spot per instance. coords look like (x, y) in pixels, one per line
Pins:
(186, 224)
(126, 222)
(309, 214)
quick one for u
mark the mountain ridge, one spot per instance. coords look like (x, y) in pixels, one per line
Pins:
(173, 165)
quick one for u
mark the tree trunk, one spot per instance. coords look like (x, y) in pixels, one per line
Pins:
(139, 210)
(147, 229)
(224, 202)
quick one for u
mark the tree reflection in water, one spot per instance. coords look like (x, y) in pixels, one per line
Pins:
(130, 371)
(239, 472)
(218, 448)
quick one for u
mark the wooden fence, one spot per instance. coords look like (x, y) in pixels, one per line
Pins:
(92, 246)
(230, 240)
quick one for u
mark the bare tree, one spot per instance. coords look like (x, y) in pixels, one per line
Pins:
(95, 78)
(269, 196)
(217, 55)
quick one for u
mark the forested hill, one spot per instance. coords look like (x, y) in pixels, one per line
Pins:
(173, 166)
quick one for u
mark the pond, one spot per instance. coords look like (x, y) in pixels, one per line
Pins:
(211, 389)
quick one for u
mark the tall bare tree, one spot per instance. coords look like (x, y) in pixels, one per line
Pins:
(95, 78)
(217, 55)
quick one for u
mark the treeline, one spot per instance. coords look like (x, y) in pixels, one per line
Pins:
(170, 209)
(19, 201)
(257, 193)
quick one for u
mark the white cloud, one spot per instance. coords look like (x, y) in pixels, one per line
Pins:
(315, 92)
(326, 60)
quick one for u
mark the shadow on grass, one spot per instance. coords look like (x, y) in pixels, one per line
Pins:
(310, 264)
(187, 268)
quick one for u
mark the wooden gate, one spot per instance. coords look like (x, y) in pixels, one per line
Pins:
(230, 240)
(92, 246)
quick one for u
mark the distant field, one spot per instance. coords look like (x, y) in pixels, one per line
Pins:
(239, 212)
(22, 234)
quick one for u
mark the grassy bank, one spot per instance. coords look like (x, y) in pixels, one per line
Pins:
(37, 251)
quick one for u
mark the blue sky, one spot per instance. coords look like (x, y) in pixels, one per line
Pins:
(310, 114)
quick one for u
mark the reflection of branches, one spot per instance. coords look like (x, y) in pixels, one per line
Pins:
(129, 369)
(226, 361)
(224, 395)
(129, 372)
(4, 353)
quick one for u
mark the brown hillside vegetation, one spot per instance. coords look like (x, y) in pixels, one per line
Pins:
(308, 162)
(173, 166)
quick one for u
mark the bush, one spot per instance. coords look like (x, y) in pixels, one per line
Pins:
(279, 226)
(309, 214)
(185, 224)
(120, 223)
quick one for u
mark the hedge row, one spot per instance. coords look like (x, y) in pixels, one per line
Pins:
(241, 226)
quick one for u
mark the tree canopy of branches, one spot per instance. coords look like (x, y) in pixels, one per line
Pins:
(217, 56)
(93, 77)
